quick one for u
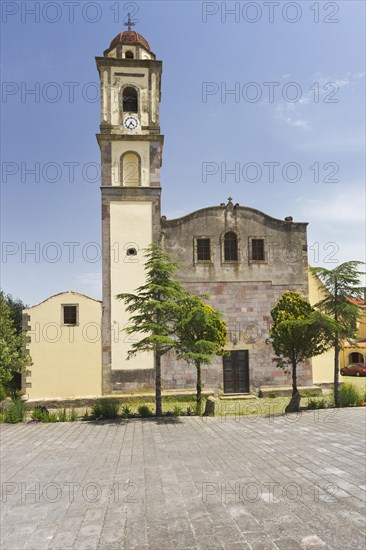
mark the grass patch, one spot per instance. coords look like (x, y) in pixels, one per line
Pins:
(177, 411)
(145, 411)
(349, 395)
(40, 413)
(62, 415)
(15, 413)
(317, 403)
(126, 411)
(105, 408)
(73, 415)
(242, 407)
(310, 393)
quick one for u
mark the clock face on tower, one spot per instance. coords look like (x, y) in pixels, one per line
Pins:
(130, 123)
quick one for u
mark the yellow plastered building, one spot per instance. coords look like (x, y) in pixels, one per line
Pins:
(64, 343)
(323, 365)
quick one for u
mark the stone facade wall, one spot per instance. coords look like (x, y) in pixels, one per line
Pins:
(246, 308)
(130, 380)
(244, 291)
(285, 245)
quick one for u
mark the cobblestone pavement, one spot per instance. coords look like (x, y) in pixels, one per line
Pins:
(188, 483)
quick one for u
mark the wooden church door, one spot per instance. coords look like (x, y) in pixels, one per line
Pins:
(236, 372)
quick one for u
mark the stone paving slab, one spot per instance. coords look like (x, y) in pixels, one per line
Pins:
(285, 482)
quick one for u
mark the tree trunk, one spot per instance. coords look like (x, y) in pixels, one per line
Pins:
(294, 376)
(158, 407)
(199, 387)
(336, 373)
(336, 350)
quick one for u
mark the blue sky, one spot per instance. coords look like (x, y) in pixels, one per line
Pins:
(312, 127)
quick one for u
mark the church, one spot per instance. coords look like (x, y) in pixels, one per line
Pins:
(242, 258)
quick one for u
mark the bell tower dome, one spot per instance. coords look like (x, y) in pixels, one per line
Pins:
(131, 153)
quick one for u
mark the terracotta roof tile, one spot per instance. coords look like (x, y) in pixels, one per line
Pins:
(129, 37)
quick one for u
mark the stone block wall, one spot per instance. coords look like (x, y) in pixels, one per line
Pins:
(246, 308)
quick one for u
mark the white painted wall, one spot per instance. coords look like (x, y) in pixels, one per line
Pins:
(131, 226)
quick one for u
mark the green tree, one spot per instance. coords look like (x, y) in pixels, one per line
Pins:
(154, 311)
(298, 333)
(201, 335)
(12, 345)
(339, 285)
(16, 307)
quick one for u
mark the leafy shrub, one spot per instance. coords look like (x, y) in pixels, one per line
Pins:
(312, 404)
(16, 412)
(2, 392)
(191, 411)
(317, 404)
(96, 410)
(126, 411)
(144, 411)
(363, 396)
(52, 417)
(73, 415)
(105, 408)
(177, 411)
(61, 415)
(40, 413)
(349, 395)
(272, 395)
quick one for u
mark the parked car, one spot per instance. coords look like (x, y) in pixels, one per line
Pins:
(355, 369)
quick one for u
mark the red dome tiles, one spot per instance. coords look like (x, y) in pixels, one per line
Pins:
(129, 37)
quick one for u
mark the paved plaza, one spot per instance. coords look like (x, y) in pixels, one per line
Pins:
(187, 483)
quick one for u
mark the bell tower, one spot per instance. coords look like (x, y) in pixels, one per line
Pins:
(131, 152)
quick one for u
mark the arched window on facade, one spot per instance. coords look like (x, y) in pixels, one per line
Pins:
(130, 100)
(355, 357)
(230, 247)
(130, 170)
(129, 55)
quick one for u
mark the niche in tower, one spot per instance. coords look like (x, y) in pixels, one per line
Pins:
(130, 169)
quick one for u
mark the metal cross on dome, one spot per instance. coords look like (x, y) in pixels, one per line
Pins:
(129, 23)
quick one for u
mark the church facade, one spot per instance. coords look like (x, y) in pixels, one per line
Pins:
(241, 257)
(244, 259)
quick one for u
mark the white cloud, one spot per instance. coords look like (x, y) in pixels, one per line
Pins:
(321, 88)
(300, 123)
(289, 115)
